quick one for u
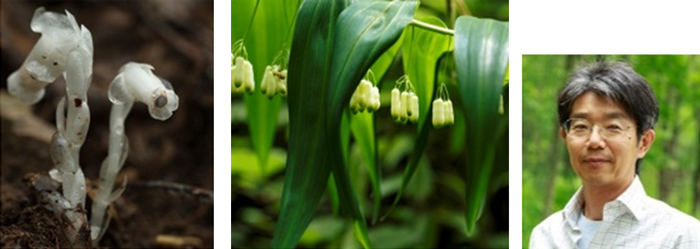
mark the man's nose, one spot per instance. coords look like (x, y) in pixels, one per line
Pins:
(595, 141)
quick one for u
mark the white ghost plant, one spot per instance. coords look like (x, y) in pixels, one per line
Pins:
(134, 83)
(64, 48)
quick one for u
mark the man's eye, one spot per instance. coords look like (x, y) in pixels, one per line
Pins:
(614, 127)
(580, 127)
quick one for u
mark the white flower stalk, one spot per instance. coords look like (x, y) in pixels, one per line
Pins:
(135, 82)
(366, 96)
(59, 35)
(242, 79)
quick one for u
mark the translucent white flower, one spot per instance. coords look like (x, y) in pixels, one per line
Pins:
(136, 82)
(60, 34)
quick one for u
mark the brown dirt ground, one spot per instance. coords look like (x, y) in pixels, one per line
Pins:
(176, 37)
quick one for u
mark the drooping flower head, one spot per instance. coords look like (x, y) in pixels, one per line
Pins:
(136, 82)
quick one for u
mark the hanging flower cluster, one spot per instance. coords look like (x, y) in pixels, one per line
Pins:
(274, 81)
(443, 115)
(366, 96)
(404, 103)
(241, 71)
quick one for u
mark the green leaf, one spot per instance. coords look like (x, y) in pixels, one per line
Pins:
(481, 56)
(308, 163)
(363, 129)
(327, 61)
(265, 39)
(422, 50)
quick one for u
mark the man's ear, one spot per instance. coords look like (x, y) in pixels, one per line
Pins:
(562, 133)
(645, 143)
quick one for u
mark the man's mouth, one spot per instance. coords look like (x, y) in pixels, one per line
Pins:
(595, 160)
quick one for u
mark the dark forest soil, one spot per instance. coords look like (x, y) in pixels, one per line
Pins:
(176, 37)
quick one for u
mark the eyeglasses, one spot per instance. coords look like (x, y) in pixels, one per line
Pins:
(582, 129)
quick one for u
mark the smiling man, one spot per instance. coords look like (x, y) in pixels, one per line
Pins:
(607, 113)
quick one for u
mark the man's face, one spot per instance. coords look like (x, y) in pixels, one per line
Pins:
(606, 156)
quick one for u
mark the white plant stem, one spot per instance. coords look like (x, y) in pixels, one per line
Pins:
(118, 150)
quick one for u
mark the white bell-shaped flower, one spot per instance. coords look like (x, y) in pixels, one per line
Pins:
(366, 96)
(449, 113)
(267, 86)
(405, 106)
(136, 82)
(438, 113)
(60, 34)
(234, 89)
(242, 75)
(282, 83)
(413, 113)
(395, 104)
(374, 102)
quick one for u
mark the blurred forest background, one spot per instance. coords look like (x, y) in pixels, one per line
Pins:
(431, 211)
(670, 171)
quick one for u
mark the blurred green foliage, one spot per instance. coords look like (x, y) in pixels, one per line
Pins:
(670, 169)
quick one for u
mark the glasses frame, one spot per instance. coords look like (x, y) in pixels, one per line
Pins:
(602, 131)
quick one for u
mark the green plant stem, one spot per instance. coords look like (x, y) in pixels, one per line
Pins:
(255, 11)
(431, 27)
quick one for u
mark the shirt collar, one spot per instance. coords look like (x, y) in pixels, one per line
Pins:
(629, 201)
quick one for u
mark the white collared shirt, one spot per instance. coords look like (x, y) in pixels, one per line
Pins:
(633, 220)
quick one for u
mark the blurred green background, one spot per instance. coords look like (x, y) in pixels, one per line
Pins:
(431, 212)
(670, 171)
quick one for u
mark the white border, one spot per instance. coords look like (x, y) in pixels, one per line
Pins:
(222, 124)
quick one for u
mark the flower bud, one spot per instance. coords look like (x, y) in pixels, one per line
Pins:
(405, 106)
(282, 84)
(266, 80)
(395, 103)
(234, 88)
(238, 75)
(449, 113)
(438, 113)
(375, 103)
(248, 79)
(414, 108)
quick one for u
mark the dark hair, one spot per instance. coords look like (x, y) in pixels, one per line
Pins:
(618, 82)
